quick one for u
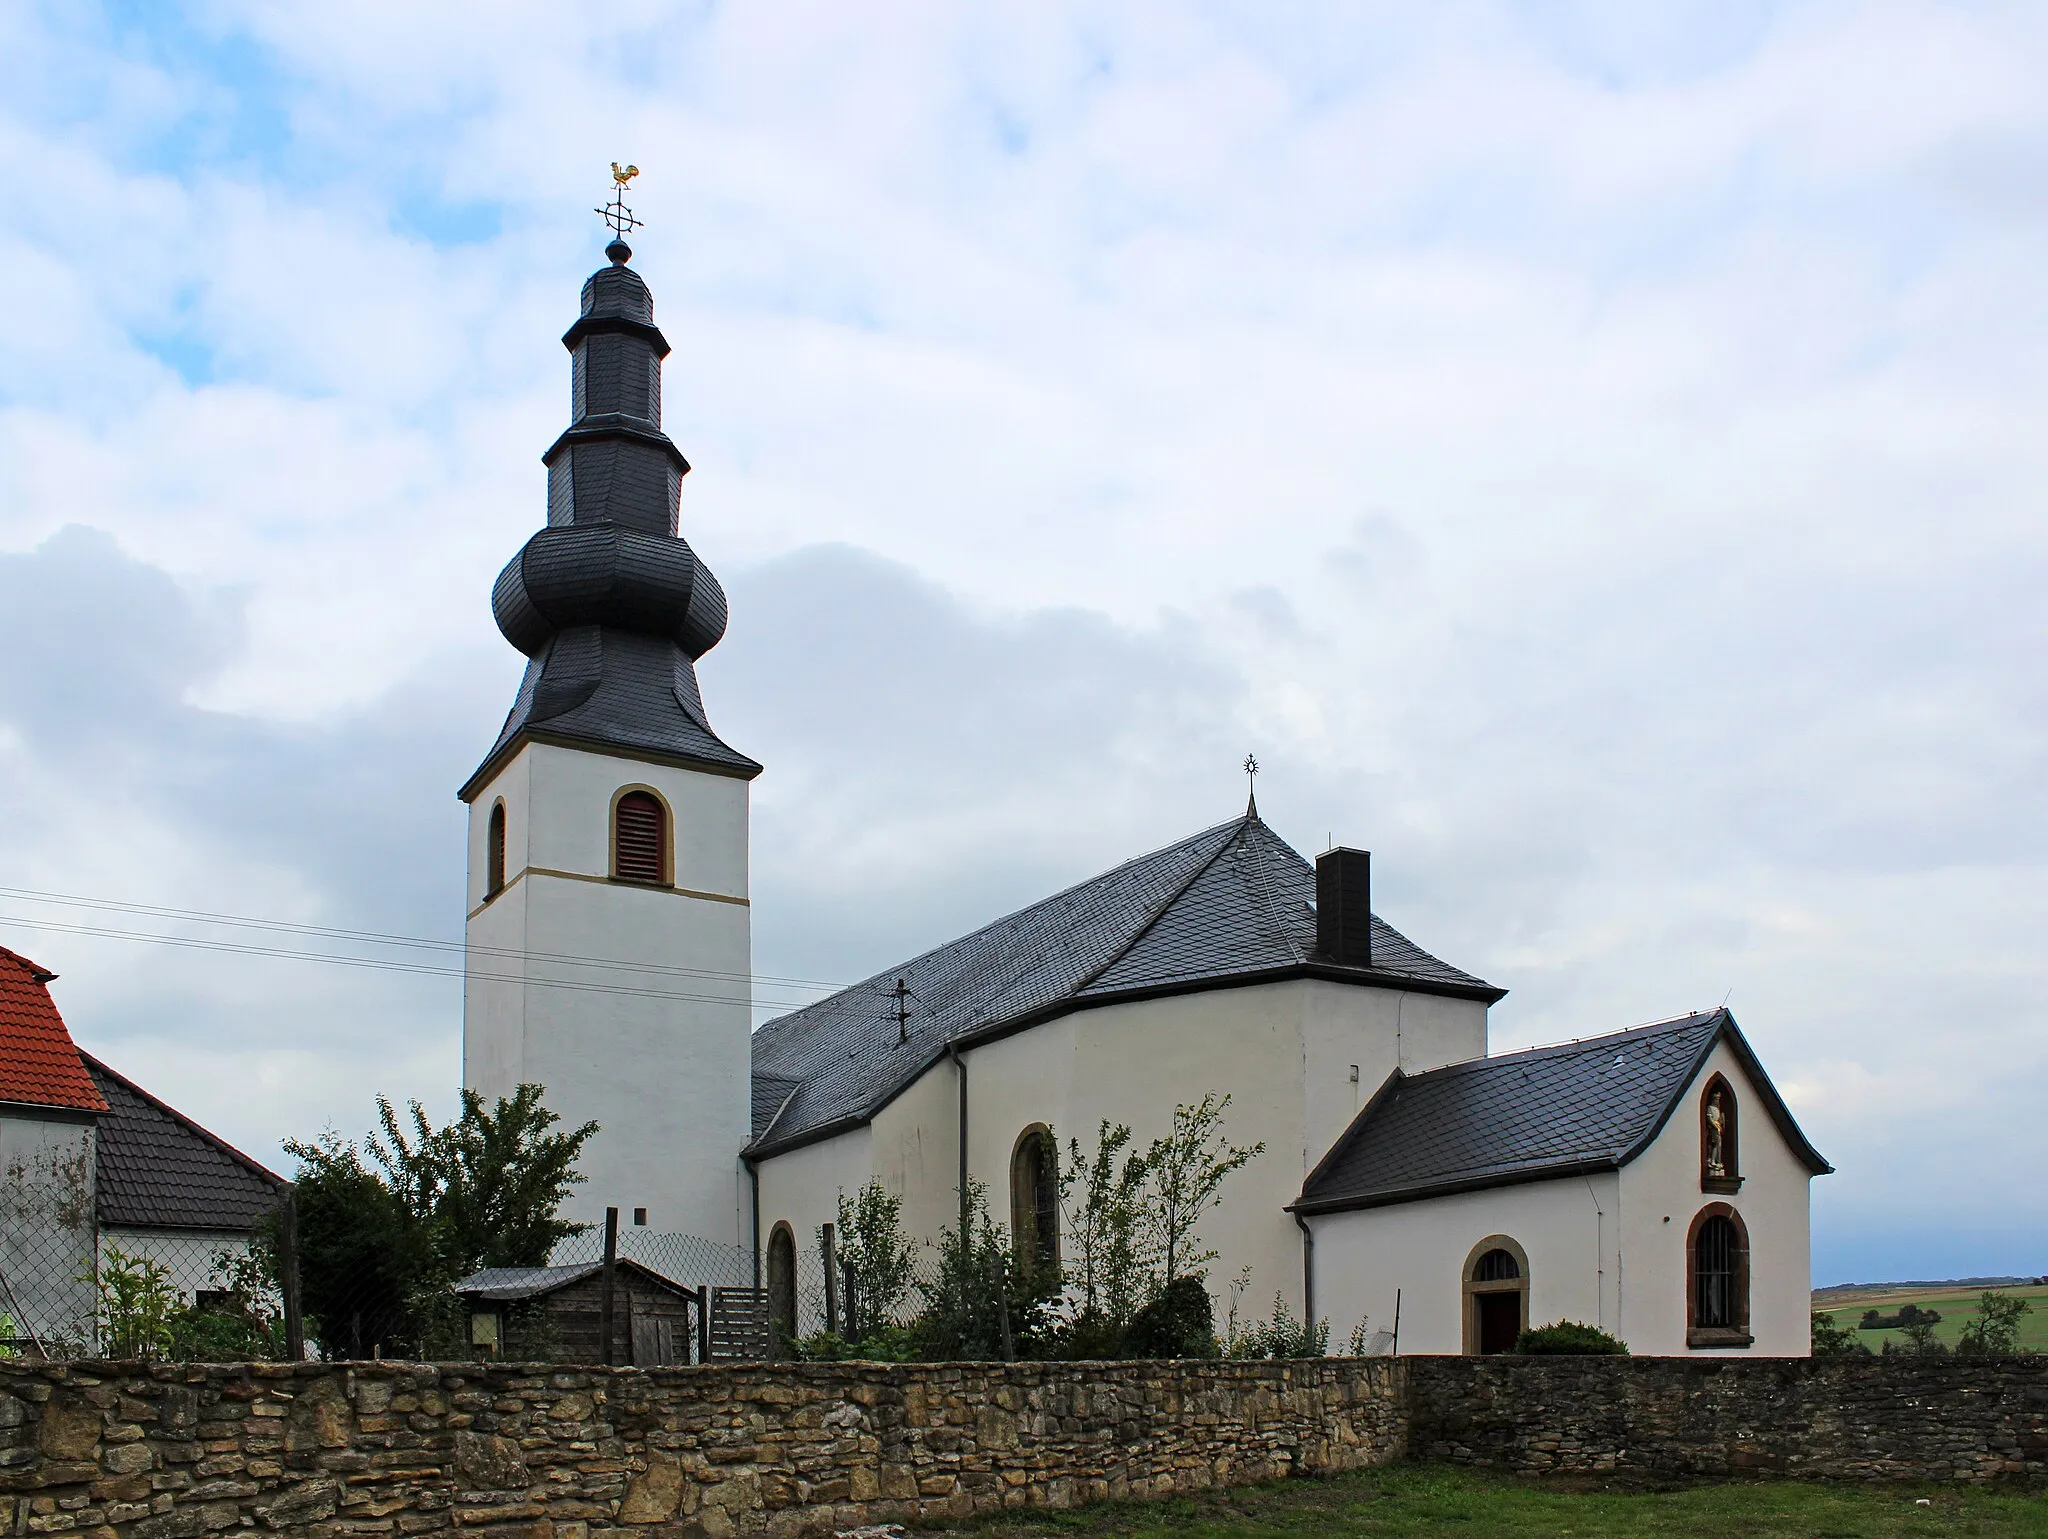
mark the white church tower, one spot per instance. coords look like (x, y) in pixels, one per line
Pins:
(609, 944)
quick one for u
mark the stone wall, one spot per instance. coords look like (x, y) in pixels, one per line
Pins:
(505, 1452)
(126, 1451)
(1864, 1418)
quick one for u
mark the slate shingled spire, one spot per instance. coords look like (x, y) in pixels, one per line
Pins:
(611, 607)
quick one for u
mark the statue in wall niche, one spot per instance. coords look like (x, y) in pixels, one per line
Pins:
(1717, 1135)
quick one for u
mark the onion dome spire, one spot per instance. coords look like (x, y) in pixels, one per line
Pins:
(610, 605)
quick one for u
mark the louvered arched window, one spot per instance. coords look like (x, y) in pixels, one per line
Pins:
(640, 838)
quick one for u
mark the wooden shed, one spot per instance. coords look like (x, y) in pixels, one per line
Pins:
(555, 1313)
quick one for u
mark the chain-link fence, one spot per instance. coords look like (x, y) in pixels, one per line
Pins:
(68, 1290)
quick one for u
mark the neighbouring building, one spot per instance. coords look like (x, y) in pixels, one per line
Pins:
(610, 958)
(90, 1161)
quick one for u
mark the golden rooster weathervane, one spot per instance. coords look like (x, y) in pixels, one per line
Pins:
(615, 213)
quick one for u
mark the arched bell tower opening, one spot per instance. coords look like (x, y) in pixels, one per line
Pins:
(630, 813)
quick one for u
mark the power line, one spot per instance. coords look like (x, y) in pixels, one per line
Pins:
(373, 937)
(381, 964)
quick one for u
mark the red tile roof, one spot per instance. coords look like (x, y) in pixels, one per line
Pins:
(39, 1065)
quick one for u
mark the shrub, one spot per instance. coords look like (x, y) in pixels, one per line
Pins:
(1179, 1322)
(1283, 1337)
(1569, 1338)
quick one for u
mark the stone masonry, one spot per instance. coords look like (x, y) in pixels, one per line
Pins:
(511, 1452)
(160, 1451)
(1854, 1418)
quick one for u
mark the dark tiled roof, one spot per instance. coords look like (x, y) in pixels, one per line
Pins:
(158, 1169)
(39, 1065)
(1550, 1111)
(1231, 904)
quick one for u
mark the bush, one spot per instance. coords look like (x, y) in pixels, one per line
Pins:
(1833, 1339)
(885, 1344)
(1179, 1322)
(1282, 1337)
(1569, 1338)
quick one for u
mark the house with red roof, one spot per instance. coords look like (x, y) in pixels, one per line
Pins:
(91, 1162)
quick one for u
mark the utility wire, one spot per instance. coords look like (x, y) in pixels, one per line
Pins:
(373, 937)
(381, 964)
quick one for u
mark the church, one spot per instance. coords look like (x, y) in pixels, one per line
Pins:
(1650, 1182)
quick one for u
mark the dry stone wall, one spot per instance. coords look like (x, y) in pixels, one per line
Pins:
(130, 1451)
(1861, 1418)
(102, 1450)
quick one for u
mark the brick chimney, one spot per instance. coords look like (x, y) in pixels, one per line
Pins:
(1344, 906)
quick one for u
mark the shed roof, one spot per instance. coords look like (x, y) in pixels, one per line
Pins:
(1230, 905)
(509, 1284)
(39, 1063)
(1576, 1108)
(158, 1169)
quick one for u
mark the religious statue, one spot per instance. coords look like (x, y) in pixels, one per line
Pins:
(1717, 1132)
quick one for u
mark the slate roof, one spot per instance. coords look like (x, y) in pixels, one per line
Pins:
(1230, 905)
(39, 1063)
(1585, 1106)
(158, 1169)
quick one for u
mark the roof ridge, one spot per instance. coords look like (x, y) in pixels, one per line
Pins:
(254, 1166)
(1264, 883)
(1160, 910)
(1577, 1044)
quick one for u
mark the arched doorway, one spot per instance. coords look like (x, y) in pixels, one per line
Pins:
(781, 1290)
(1496, 1295)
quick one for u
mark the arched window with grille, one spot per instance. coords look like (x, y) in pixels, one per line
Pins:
(640, 838)
(1717, 1279)
(1034, 1197)
(1496, 1295)
(494, 851)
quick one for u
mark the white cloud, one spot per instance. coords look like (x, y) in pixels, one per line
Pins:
(1593, 459)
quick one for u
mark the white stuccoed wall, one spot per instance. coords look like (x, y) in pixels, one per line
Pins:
(1601, 1250)
(1283, 1051)
(1775, 1203)
(1420, 1248)
(667, 1078)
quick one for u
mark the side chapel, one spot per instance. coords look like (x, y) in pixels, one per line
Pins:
(1651, 1182)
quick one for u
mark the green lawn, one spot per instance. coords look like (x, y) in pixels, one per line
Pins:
(1438, 1499)
(1956, 1305)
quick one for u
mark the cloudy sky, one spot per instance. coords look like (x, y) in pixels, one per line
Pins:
(1593, 454)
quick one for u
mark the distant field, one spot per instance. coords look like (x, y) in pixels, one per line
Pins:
(1955, 1305)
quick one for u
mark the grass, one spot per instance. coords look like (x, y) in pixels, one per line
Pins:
(1439, 1499)
(1956, 1306)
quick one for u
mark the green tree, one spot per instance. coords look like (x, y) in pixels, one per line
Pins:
(386, 1226)
(1919, 1334)
(871, 1244)
(1185, 1174)
(1103, 1193)
(498, 1177)
(1831, 1338)
(1996, 1330)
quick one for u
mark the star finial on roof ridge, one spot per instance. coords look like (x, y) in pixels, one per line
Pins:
(1251, 777)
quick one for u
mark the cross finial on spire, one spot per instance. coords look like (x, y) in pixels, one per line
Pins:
(1251, 780)
(617, 215)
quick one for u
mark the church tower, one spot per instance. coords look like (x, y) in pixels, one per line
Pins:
(610, 952)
